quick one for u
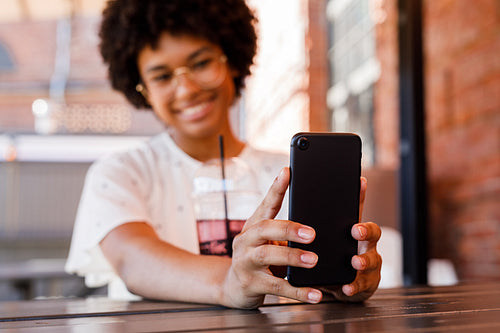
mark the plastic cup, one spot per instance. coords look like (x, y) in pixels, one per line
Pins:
(223, 206)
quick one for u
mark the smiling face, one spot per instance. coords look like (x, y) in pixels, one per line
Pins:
(192, 110)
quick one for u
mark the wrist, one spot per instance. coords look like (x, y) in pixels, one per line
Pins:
(227, 290)
(234, 294)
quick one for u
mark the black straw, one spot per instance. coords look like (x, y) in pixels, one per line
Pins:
(229, 245)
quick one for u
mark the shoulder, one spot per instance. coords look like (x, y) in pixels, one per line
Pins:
(138, 159)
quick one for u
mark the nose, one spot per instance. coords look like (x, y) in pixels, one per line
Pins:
(181, 71)
(183, 84)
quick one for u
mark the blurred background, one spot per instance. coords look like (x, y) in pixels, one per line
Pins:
(418, 80)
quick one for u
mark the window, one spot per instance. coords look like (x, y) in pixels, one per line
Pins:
(354, 69)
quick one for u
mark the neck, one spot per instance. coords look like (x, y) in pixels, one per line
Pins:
(206, 148)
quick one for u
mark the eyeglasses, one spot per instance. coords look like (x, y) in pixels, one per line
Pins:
(208, 72)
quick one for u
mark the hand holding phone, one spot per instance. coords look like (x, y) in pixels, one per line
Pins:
(324, 194)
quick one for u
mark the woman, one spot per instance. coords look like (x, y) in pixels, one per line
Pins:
(187, 61)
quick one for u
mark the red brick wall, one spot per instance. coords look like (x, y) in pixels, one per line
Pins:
(317, 47)
(32, 48)
(386, 97)
(462, 71)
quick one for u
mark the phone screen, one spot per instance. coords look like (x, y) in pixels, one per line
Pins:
(324, 189)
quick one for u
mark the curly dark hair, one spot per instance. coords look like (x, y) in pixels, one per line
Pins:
(130, 25)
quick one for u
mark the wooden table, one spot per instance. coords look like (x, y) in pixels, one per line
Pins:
(464, 308)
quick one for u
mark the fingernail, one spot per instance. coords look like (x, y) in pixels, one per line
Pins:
(306, 233)
(281, 175)
(348, 290)
(308, 258)
(361, 262)
(314, 296)
(362, 231)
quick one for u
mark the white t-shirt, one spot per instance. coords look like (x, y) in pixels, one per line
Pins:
(152, 183)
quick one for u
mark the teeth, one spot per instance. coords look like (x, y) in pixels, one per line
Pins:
(194, 109)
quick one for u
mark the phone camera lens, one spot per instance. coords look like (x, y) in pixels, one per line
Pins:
(303, 143)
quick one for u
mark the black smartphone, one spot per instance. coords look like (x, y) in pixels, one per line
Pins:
(325, 170)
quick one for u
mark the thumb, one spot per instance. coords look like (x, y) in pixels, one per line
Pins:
(271, 204)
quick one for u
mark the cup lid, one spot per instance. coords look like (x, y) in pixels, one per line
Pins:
(238, 177)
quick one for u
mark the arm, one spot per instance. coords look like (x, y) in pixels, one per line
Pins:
(156, 269)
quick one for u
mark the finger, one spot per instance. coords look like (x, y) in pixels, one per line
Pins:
(363, 185)
(271, 204)
(355, 287)
(280, 287)
(366, 231)
(267, 255)
(362, 287)
(277, 230)
(367, 262)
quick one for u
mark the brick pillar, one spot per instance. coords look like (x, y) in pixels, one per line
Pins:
(462, 47)
(317, 48)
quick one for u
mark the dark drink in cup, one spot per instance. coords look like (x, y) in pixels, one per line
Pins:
(221, 206)
(213, 236)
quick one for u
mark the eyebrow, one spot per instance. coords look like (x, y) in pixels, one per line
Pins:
(189, 58)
